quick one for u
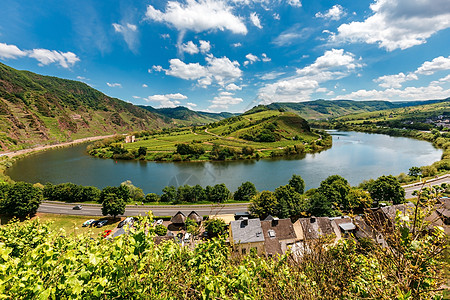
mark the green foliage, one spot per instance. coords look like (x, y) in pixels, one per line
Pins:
(20, 199)
(135, 194)
(264, 204)
(69, 192)
(160, 230)
(151, 197)
(336, 188)
(290, 202)
(215, 227)
(121, 192)
(218, 193)
(142, 151)
(387, 188)
(245, 192)
(297, 183)
(113, 205)
(169, 194)
(414, 171)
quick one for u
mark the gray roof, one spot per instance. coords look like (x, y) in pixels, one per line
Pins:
(347, 226)
(247, 231)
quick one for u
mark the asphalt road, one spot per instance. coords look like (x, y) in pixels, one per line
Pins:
(170, 210)
(133, 210)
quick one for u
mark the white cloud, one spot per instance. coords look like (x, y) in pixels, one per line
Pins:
(271, 75)
(441, 80)
(136, 97)
(46, 57)
(114, 84)
(198, 16)
(255, 20)
(334, 13)
(205, 46)
(276, 16)
(223, 101)
(156, 68)
(437, 64)
(222, 70)
(406, 94)
(235, 45)
(395, 81)
(167, 100)
(191, 105)
(264, 58)
(81, 78)
(165, 36)
(398, 24)
(10, 51)
(251, 59)
(233, 87)
(334, 64)
(129, 33)
(189, 47)
(144, 85)
(295, 3)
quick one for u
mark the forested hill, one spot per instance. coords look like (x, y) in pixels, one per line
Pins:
(37, 109)
(184, 116)
(322, 109)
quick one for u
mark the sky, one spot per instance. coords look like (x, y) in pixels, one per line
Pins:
(230, 55)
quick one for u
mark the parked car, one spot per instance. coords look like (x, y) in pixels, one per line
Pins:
(88, 222)
(187, 237)
(77, 207)
(159, 222)
(129, 220)
(106, 233)
(101, 223)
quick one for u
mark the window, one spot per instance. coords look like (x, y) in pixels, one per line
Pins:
(271, 233)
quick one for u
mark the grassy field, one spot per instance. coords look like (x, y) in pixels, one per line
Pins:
(280, 129)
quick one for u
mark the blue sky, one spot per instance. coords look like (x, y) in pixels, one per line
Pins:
(229, 55)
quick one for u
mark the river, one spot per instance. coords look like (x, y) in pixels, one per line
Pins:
(356, 156)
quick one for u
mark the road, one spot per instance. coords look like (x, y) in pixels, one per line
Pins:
(134, 210)
(170, 210)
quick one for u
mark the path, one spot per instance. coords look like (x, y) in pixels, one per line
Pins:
(410, 188)
(39, 148)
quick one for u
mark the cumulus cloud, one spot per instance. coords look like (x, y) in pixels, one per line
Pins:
(441, 80)
(191, 105)
(222, 70)
(271, 75)
(167, 100)
(129, 33)
(235, 45)
(437, 64)
(409, 93)
(335, 13)
(334, 64)
(395, 81)
(255, 20)
(144, 85)
(205, 46)
(190, 48)
(398, 24)
(198, 16)
(233, 87)
(223, 101)
(250, 59)
(295, 3)
(114, 84)
(43, 56)
(265, 58)
(10, 51)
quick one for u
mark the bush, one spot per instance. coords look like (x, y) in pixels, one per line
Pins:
(160, 230)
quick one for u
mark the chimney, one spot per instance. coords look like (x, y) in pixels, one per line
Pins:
(274, 222)
(245, 221)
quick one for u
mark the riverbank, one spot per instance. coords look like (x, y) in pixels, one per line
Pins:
(8, 158)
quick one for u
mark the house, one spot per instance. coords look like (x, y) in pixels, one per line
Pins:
(383, 218)
(345, 225)
(195, 217)
(130, 139)
(316, 227)
(179, 218)
(279, 235)
(227, 218)
(244, 214)
(443, 209)
(247, 235)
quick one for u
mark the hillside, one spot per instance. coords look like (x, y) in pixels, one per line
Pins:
(184, 116)
(37, 109)
(324, 109)
(262, 134)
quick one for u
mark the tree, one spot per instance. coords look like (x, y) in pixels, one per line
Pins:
(160, 230)
(184, 194)
(387, 188)
(191, 226)
(321, 206)
(20, 200)
(336, 188)
(113, 205)
(121, 192)
(142, 151)
(245, 192)
(169, 194)
(264, 204)
(359, 199)
(297, 183)
(151, 197)
(215, 227)
(290, 203)
(198, 194)
(414, 171)
(218, 193)
(135, 193)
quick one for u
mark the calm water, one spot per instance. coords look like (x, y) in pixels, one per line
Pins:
(355, 156)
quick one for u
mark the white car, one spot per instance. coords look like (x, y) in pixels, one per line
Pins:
(159, 222)
(88, 222)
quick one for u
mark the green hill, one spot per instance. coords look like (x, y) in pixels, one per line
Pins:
(261, 134)
(324, 109)
(37, 109)
(184, 116)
